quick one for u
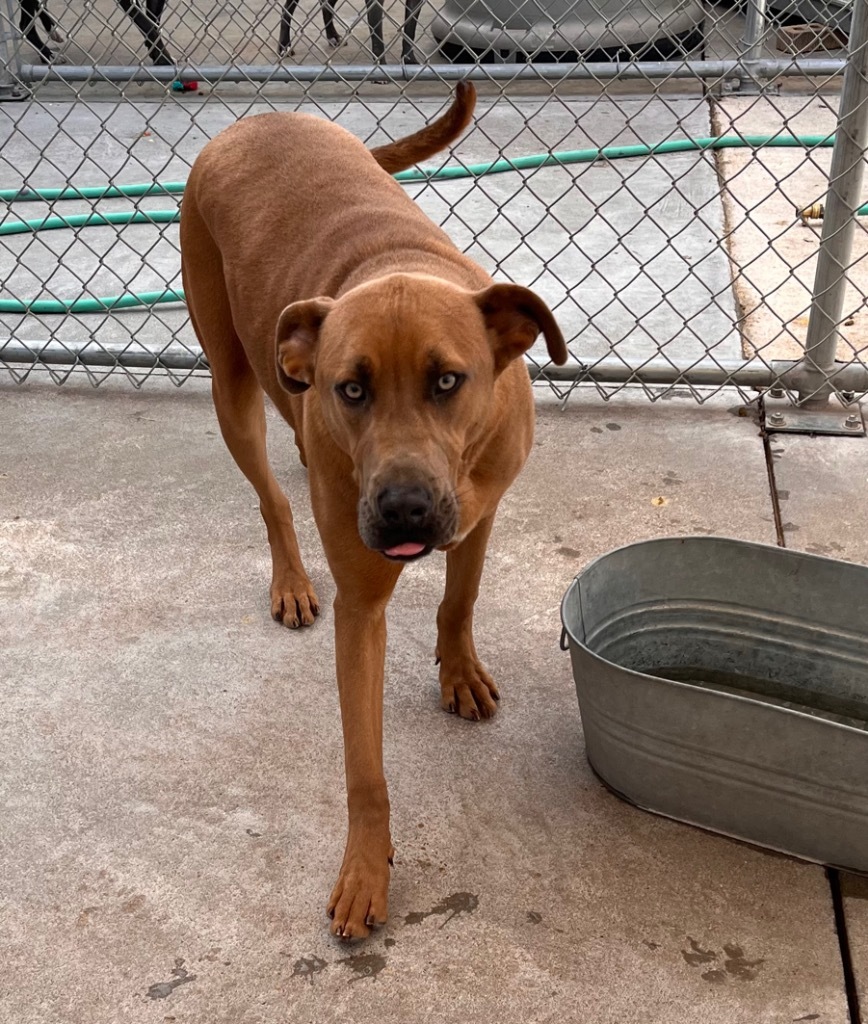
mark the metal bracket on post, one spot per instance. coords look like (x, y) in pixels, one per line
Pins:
(815, 376)
(785, 413)
(783, 418)
(753, 40)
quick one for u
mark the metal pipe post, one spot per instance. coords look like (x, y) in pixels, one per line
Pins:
(842, 201)
(10, 57)
(754, 30)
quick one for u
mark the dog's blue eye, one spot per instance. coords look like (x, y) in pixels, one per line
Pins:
(448, 382)
(352, 391)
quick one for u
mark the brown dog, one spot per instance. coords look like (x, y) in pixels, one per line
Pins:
(311, 276)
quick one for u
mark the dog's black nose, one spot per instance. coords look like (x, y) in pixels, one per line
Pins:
(405, 508)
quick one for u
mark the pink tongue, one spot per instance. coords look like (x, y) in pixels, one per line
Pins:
(405, 550)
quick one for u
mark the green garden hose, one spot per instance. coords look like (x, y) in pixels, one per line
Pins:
(523, 163)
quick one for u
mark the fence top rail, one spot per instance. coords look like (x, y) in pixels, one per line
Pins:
(758, 70)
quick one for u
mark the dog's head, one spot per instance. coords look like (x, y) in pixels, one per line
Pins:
(405, 368)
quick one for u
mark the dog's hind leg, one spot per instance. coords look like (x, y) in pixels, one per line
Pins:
(374, 10)
(50, 25)
(284, 43)
(240, 405)
(328, 20)
(29, 11)
(408, 36)
(147, 21)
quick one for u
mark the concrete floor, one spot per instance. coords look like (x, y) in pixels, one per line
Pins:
(170, 758)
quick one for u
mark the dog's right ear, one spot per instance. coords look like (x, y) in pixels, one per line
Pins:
(297, 335)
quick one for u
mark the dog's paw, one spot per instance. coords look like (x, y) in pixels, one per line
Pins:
(466, 689)
(334, 42)
(294, 602)
(360, 899)
(56, 36)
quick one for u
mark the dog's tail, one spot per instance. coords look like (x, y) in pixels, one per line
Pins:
(428, 141)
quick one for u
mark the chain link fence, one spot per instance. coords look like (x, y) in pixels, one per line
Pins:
(692, 231)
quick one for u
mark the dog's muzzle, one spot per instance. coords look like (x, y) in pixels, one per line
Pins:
(406, 521)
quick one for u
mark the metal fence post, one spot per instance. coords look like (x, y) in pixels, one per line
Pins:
(10, 57)
(843, 199)
(754, 30)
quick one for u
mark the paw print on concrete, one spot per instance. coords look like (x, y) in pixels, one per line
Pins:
(730, 965)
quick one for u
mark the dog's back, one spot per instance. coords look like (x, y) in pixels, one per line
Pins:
(311, 188)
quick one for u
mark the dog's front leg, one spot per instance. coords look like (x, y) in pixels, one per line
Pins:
(466, 688)
(359, 899)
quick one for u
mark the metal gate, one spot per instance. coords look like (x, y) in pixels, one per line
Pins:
(689, 206)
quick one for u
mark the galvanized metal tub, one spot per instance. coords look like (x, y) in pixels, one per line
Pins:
(725, 684)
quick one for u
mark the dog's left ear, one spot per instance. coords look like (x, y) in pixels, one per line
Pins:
(514, 316)
(297, 335)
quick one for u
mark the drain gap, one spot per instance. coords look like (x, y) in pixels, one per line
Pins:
(834, 878)
(770, 470)
(850, 988)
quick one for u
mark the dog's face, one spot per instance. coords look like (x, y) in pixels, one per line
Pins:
(405, 369)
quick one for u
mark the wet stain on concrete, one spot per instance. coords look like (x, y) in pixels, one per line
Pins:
(163, 989)
(307, 967)
(613, 426)
(569, 552)
(596, 430)
(823, 549)
(364, 965)
(735, 965)
(255, 835)
(453, 906)
(715, 977)
(388, 943)
(790, 527)
(697, 955)
(650, 944)
(534, 917)
(808, 1016)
